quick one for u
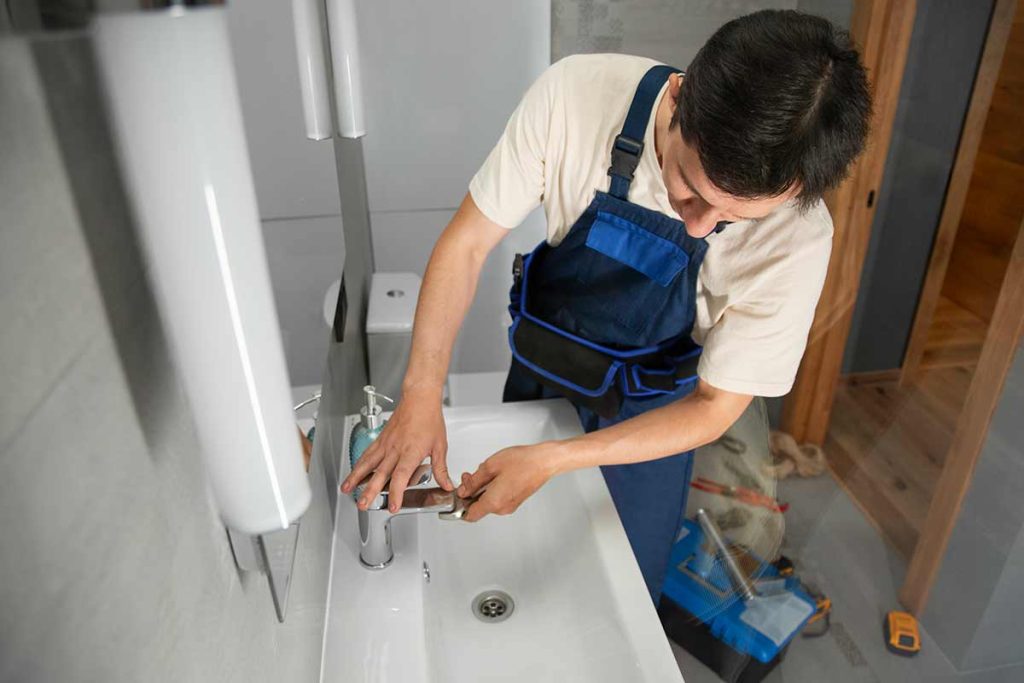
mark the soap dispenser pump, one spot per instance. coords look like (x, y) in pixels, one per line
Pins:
(370, 424)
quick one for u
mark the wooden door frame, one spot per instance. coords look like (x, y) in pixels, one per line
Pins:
(882, 31)
(960, 179)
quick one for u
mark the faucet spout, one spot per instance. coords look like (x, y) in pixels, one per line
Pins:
(375, 550)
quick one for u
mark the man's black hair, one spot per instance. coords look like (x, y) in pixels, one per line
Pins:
(775, 98)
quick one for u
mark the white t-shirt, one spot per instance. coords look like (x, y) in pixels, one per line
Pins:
(760, 280)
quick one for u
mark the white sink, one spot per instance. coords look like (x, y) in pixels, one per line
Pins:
(581, 610)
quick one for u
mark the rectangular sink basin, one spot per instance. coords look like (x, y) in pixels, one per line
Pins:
(566, 598)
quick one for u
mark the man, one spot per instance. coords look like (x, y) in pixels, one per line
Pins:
(686, 248)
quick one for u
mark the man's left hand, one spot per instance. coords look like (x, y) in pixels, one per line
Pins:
(506, 479)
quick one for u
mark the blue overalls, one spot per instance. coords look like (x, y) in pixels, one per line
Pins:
(604, 319)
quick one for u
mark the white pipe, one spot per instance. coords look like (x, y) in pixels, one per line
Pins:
(309, 21)
(178, 122)
(345, 65)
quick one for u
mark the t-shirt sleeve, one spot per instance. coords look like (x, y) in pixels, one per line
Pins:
(756, 346)
(510, 183)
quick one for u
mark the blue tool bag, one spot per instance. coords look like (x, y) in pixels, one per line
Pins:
(589, 373)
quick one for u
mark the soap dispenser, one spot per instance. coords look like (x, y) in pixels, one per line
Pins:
(370, 425)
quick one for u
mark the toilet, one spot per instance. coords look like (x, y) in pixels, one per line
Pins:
(389, 319)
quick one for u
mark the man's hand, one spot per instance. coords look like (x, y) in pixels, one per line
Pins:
(512, 475)
(506, 479)
(416, 430)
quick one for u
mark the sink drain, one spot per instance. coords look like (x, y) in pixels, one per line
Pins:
(493, 606)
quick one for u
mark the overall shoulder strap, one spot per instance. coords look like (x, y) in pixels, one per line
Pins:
(629, 144)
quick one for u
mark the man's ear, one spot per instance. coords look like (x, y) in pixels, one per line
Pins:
(675, 84)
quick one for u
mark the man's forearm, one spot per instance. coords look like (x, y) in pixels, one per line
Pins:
(448, 288)
(689, 423)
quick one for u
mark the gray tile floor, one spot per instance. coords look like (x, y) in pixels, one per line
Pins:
(835, 548)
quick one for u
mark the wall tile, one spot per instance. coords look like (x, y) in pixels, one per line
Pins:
(305, 256)
(403, 240)
(49, 307)
(671, 32)
(438, 92)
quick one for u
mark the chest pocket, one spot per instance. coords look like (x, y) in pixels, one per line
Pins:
(620, 240)
(632, 280)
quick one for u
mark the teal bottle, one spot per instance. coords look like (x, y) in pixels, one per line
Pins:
(371, 423)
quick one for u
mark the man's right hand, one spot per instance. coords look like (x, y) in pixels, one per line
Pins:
(415, 431)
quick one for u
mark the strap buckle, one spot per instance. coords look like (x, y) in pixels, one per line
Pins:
(629, 145)
(626, 153)
(518, 265)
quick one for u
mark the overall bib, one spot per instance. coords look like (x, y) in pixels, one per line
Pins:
(604, 319)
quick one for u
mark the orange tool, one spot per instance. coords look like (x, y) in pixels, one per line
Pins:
(901, 634)
(740, 493)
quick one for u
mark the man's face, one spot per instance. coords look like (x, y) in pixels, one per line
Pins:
(700, 204)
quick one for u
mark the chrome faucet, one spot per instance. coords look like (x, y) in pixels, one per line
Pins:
(375, 550)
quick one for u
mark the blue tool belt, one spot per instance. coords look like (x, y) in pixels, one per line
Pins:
(590, 374)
